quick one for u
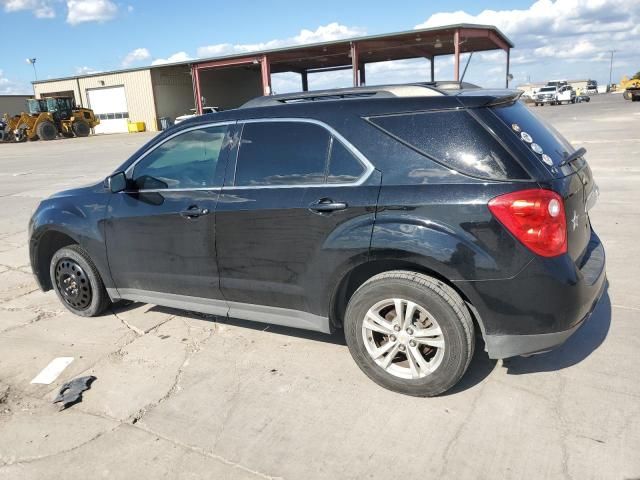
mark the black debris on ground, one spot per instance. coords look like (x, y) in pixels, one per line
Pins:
(71, 392)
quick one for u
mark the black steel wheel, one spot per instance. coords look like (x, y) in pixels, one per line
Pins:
(77, 282)
(72, 282)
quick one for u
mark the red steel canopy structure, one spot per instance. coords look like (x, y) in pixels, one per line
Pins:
(355, 53)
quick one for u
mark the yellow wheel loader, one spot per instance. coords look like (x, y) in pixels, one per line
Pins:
(47, 118)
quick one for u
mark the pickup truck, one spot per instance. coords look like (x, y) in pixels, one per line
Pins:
(555, 95)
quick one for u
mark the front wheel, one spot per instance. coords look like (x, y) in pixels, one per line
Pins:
(46, 130)
(81, 128)
(409, 333)
(77, 282)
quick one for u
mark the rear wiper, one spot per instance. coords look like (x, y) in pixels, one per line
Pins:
(574, 156)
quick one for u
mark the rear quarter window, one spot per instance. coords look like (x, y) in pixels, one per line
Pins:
(454, 139)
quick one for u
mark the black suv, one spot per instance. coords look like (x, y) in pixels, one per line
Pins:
(409, 216)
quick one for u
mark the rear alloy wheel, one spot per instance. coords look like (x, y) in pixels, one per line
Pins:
(409, 333)
(403, 338)
(46, 130)
(77, 282)
(81, 128)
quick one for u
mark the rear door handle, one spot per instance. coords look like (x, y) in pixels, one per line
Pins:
(327, 205)
(194, 212)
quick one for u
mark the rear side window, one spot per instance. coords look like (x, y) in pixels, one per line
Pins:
(282, 153)
(454, 139)
(551, 141)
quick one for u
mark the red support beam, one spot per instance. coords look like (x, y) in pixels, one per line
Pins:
(456, 59)
(195, 78)
(265, 69)
(355, 63)
(230, 62)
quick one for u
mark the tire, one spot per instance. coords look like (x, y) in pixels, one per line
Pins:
(46, 130)
(439, 309)
(626, 95)
(81, 128)
(22, 133)
(77, 282)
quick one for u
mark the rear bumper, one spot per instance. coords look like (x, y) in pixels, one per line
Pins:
(542, 306)
(505, 346)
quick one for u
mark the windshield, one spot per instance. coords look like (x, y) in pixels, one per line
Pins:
(548, 89)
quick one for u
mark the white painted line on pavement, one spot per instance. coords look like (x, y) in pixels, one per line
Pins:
(53, 370)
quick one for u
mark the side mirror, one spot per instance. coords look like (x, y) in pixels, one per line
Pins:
(116, 182)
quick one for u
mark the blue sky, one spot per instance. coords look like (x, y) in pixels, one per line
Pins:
(554, 39)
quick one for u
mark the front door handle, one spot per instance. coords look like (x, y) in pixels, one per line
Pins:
(326, 205)
(194, 212)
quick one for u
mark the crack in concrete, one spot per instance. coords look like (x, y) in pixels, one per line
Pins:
(193, 347)
(209, 454)
(40, 315)
(564, 429)
(27, 460)
(16, 269)
(448, 449)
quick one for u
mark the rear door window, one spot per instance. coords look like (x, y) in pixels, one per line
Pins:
(282, 153)
(344, 167)
(454, 139)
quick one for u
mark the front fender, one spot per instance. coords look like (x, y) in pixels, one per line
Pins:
(78, 217)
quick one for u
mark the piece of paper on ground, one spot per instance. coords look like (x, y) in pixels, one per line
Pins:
(53, 370)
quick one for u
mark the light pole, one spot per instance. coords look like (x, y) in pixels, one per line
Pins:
(32, 61)
(611, 67)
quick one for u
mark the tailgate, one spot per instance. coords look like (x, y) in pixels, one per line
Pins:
(580, 194)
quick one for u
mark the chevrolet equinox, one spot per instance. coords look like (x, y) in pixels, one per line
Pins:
(412, 217)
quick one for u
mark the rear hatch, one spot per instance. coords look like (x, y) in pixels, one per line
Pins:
(549, 151)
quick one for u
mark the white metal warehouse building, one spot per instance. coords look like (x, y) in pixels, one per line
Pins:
(140, 95)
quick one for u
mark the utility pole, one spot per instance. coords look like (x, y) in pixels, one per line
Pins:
(610, 67)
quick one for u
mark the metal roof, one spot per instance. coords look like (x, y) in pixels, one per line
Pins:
(424, 42)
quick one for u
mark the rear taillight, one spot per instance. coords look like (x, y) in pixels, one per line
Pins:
(535, 217)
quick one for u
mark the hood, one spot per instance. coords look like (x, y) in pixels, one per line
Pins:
(72, 192)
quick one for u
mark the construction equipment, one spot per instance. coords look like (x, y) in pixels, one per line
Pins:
(47, 118)
(631, 88)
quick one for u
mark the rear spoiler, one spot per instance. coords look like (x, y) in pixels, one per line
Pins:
(488, 98)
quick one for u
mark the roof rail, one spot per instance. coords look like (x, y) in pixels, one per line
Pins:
(430, 89)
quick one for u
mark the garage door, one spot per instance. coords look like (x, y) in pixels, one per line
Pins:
(110, 106)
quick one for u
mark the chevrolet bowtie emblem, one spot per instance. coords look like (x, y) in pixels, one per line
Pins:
(574, 220)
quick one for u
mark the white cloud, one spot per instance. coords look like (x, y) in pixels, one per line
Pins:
(176, 57)
(136, 56)
(40, 8)
(81, 11)
(562, 38)
(86, 70)
(12, 87)
(324, 33)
